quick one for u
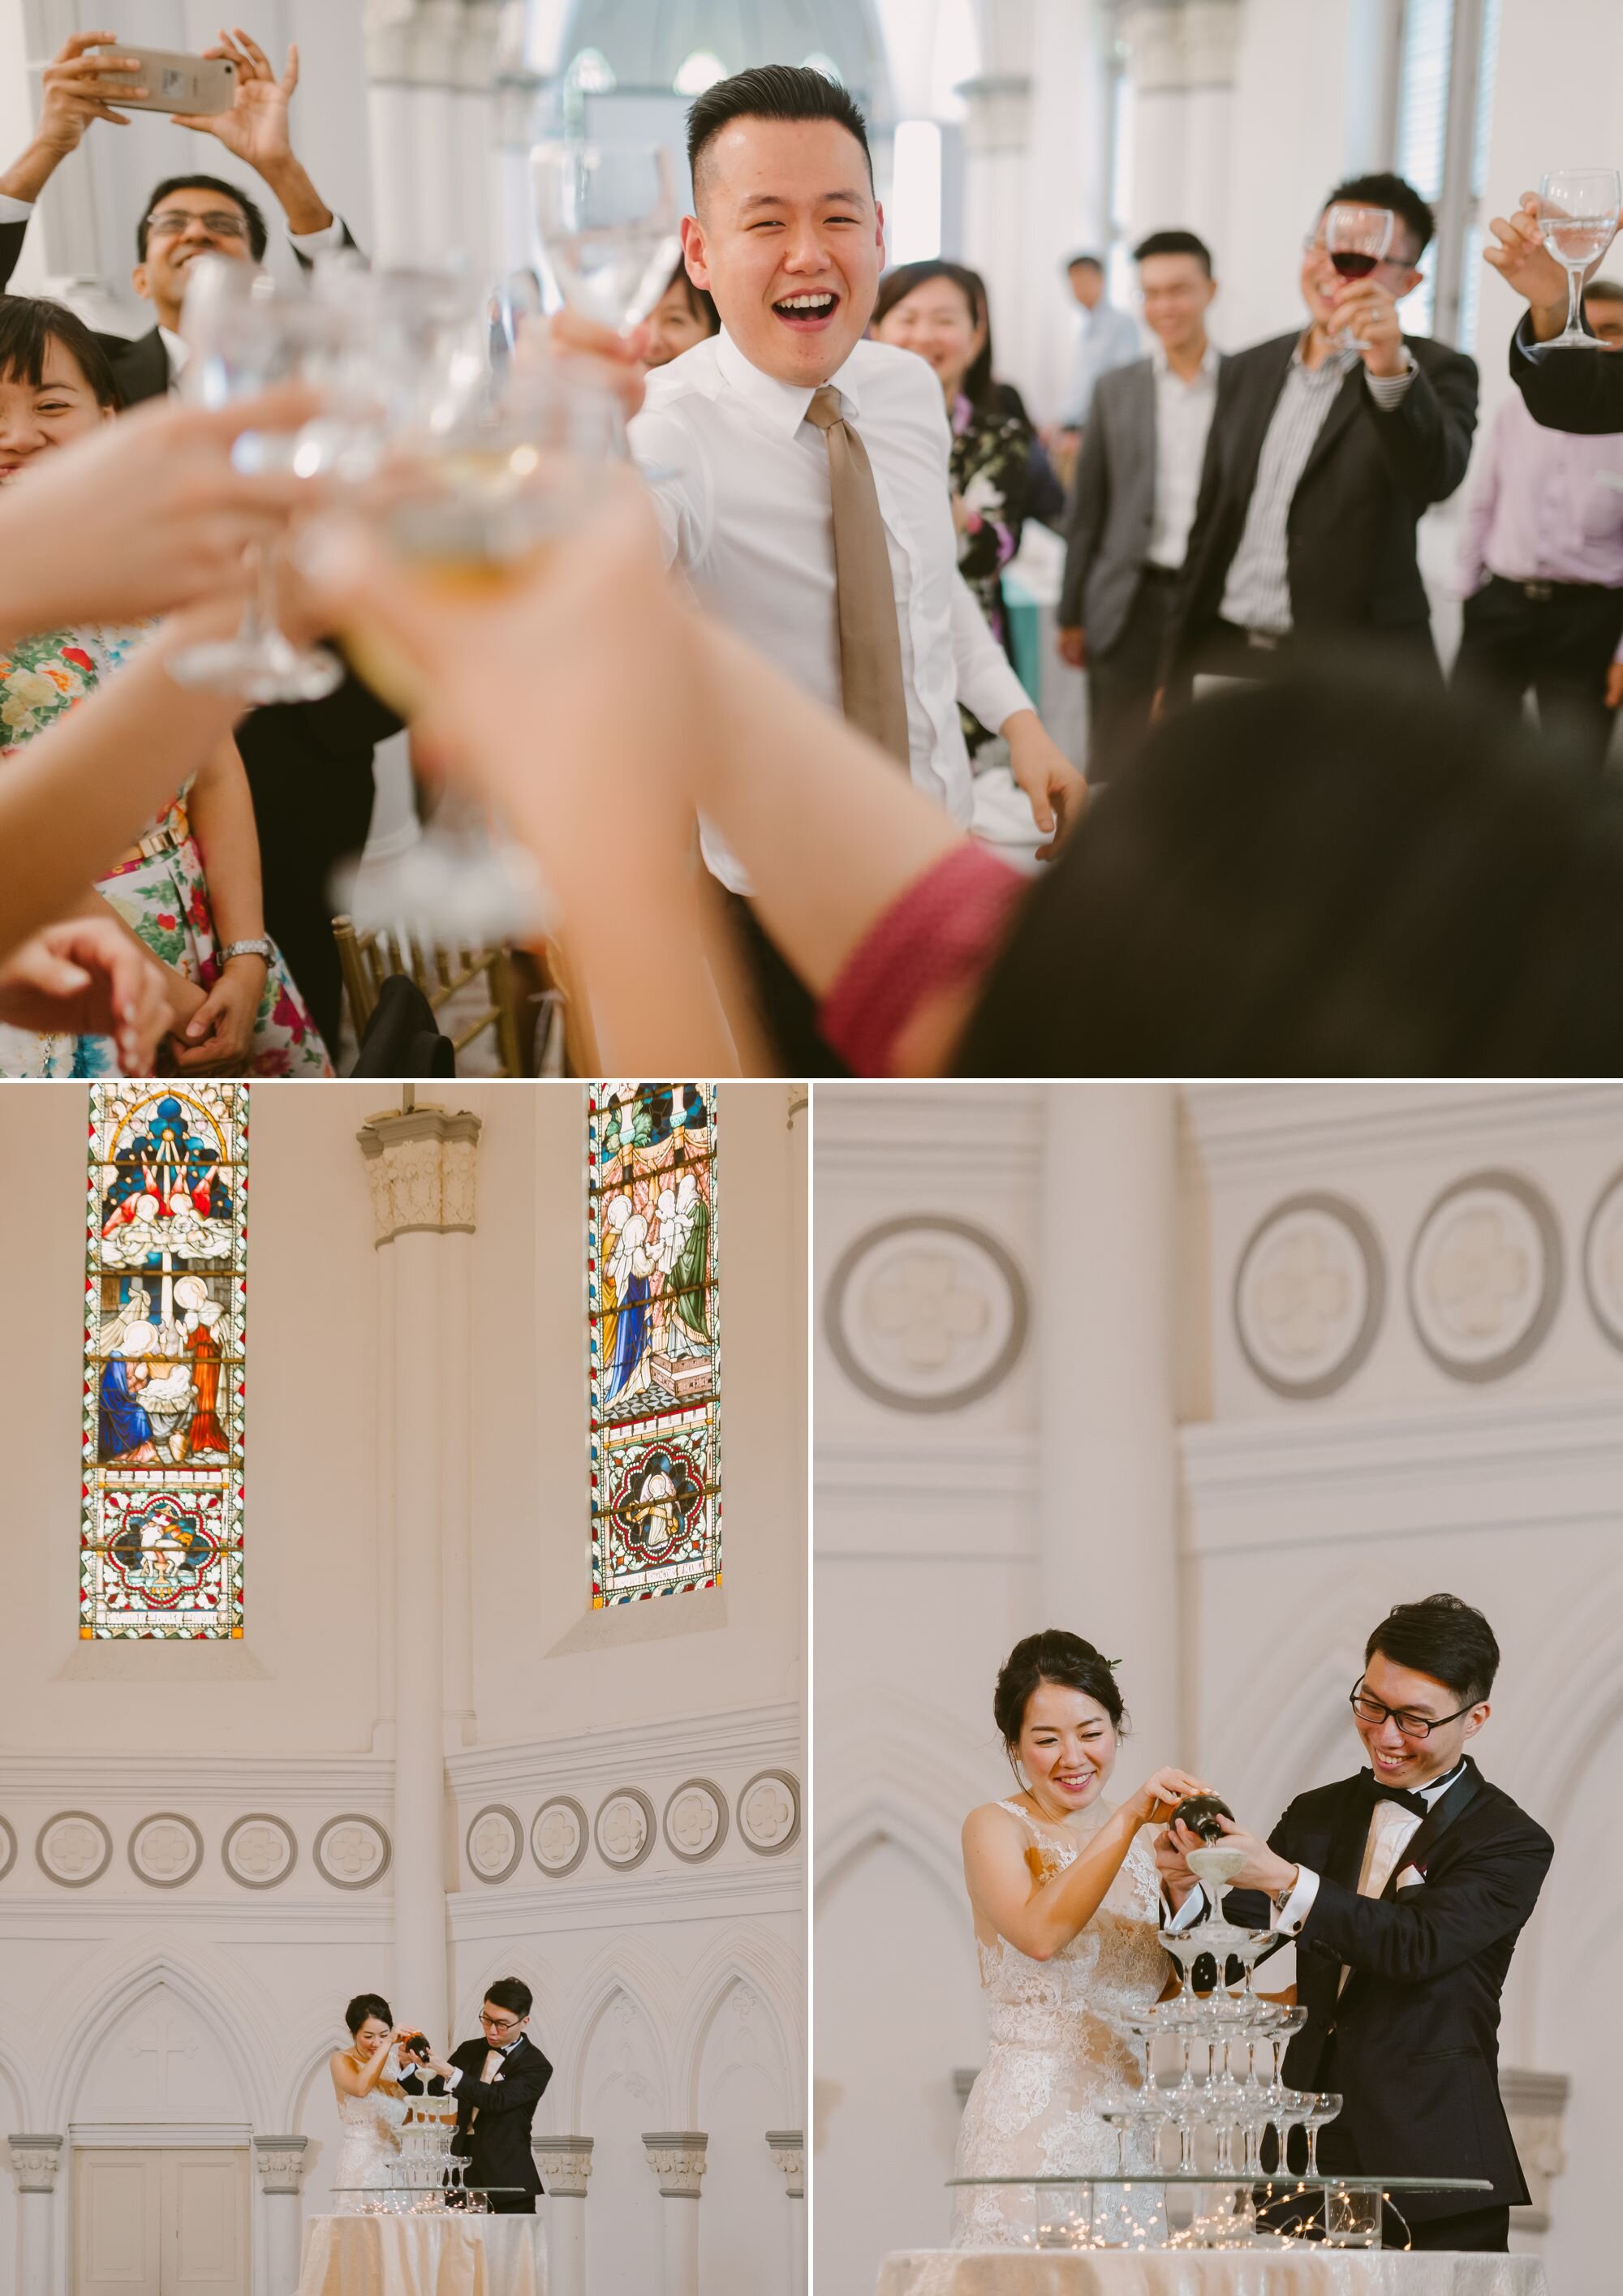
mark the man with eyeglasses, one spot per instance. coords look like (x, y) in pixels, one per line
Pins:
(1320, 459)
(187, 216)
(497, 2083)
(1405, 1890)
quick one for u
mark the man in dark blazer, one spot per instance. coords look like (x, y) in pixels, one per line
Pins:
(1405, 1889)
(1137, 480)
(1320, 463)
(1566, 389)
(497, 2083)
(309, 763)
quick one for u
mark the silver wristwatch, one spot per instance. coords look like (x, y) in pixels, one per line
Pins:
(260, 947)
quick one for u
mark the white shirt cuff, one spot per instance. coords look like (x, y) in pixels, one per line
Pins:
(452, 2078)
(14, 211)
(1187, 1914)
(1287, 1920)
(317, 242)
(1388, 390)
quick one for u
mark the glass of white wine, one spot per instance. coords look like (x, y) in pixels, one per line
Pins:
(1577, 218)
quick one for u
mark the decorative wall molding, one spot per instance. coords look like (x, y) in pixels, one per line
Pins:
(494, 1843)
(1602, 1260)
(35, 2162)
(597, 1758)
(694, 1822)
(769, 1812)
(789, 2148)
(166, 1850)
(1309, 1292)
(565, 2164)
(927, 1312)
(678, 2159)
(1484, 1275)
(908, 1135)
(627, 1899)
(258, 1850)
(221, 1781)
(73, 1848)
(280, 2161)
(352, 1852)
(8, 1849)
(1301, 1129)
(560, 1835)
(421, 1168)
(625, 1828)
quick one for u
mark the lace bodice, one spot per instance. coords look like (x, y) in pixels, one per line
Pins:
(1053, 2058)
(370, 2129)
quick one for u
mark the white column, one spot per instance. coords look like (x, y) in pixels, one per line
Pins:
(35, 2161)
(789, 2154)
(280, 2161)
(676, 2158)
(456, 1468)
(565, 2164)
(1108, 1504)
(420, 1167)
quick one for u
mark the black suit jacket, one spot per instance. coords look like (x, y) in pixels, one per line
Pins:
(1568, 390)
(499, 2148)
(1371, 472)
(1416, 2026)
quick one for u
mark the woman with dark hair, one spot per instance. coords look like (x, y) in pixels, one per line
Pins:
(684, 314)
(1066, 1902)
(189, 887)
(939, 311)
(372, 2105)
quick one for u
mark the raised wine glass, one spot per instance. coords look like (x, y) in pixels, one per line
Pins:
(245, 331)
(606, 216)
(1578, 218)
(1357, 238)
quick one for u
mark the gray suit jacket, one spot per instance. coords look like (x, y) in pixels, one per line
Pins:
(1112, 507)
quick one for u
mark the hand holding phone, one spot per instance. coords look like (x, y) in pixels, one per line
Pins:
(170, 80)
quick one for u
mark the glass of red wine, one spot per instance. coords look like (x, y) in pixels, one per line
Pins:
(1357, 238)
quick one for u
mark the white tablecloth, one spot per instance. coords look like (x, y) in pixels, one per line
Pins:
(426, 2256)
(1206, 2272)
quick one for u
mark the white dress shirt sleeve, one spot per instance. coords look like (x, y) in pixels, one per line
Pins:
(1287, 1920)
(14, 211)
(329, 238)
(1481, 502)
(1192, 1910)
(986, 684)
(674, 469)
(452, 2078)
(1389, 391)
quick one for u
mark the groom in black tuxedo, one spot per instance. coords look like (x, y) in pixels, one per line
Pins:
(497, 2084)
(1405, 1890)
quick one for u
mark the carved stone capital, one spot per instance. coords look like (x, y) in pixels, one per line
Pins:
(789, 2153)
(35, 2162)
(280, 2161)
(1535, 2105)
(998, 112)
(565, 2164)
(421, 1168)
(676, 2158)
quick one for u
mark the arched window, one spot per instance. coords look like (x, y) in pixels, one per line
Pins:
(166, 1290)
(655, 1332)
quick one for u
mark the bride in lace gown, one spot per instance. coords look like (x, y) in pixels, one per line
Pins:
(372, 2105)
(1066, 1911)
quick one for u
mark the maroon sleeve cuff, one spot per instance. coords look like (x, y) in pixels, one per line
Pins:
(942, 931)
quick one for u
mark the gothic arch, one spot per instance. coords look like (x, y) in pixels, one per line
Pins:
(211, 1988)
(625, 1972)
(747, 1961)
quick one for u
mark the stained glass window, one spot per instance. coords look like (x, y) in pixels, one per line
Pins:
(653, 1305)
(166, 1246)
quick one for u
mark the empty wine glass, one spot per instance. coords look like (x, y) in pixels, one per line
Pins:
(1321, 2110)
(246, 330)
(1577, 219)
(1357, 238)
(606, 216)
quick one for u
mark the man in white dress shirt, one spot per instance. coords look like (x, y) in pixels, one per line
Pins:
(1107, 337)
(1405, 1890)
(769, 447)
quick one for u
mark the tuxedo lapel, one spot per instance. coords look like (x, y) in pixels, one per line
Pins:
(1436, 1823)
(1345, 1860)
(142, 368)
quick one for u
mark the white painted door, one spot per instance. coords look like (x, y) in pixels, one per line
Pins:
(161, 2223)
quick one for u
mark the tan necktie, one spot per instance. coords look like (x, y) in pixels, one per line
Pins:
(870, 643)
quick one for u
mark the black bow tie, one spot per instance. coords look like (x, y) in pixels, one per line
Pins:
(1376, 1793)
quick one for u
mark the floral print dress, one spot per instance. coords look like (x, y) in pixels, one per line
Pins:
(158, 888)
(991, 465)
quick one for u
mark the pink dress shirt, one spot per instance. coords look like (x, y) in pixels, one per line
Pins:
(1543, 505)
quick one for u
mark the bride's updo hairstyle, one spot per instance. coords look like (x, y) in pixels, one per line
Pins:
(1052, 1656)
(365, 2005)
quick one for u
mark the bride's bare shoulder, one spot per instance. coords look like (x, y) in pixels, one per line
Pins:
(989, 1821)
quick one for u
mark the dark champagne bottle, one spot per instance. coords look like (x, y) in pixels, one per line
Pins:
(1200, 1813)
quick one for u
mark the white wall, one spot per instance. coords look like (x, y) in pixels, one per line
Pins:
(1301, 1522)
(668, 1996)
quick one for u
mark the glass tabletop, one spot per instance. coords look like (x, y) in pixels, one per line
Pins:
(1325, 2181)
(483, 2188)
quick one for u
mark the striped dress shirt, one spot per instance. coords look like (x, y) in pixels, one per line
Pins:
(1256, 596)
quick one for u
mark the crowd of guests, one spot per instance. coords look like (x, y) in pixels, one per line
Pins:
(1303, 852)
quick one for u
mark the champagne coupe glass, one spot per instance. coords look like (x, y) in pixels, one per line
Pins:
(245, 331)
(1322, 2110)
(1577, 219)
(1357, 238)
(606, 216)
